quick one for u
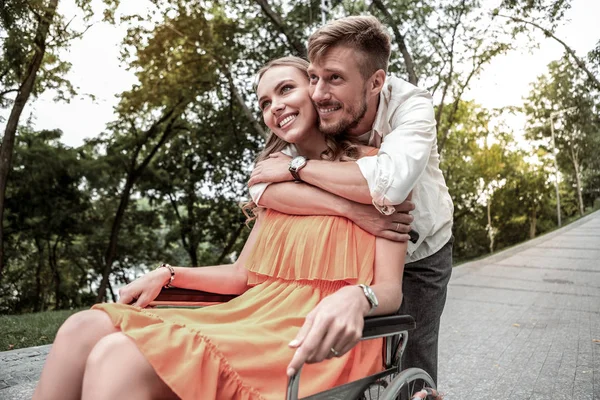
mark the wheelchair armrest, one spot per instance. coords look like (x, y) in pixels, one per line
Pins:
(387, 325)
(189, 297)
(374, 327)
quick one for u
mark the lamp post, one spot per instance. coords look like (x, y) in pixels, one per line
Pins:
(552, 115)
(324, 11)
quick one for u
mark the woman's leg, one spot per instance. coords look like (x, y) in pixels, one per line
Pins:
(116, 369)
(62, 375)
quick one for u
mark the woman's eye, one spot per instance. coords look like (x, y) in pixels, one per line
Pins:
(286, 88)
(265, 104)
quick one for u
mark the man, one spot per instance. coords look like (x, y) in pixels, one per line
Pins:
(349, 59)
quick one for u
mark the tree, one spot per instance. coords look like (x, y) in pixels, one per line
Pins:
(195, 183)
(179, 60)
(34, 33)
(45, 211)
(563, 100)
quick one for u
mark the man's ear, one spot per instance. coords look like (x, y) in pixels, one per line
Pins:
(377, 81)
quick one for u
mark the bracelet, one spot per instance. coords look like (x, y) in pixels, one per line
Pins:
(172, 271)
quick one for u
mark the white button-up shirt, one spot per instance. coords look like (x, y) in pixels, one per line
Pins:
(408, 160)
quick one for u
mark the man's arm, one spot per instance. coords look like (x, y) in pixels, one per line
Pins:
(404, 152)
(303, 199)
(341, 179)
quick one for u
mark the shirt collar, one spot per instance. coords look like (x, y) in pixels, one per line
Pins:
(379, 125)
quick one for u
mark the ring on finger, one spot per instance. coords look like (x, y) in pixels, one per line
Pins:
(397, 226)
(334, 352)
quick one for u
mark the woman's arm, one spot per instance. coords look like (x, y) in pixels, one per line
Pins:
(387, 283)
(223, 279)
(337, 321)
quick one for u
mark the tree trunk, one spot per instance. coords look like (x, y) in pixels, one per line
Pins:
(53, 262)
(38, 305)
(247, 112)
(8, 141)
(193, 238)
(132, 177)
(408, 61)
(532, 223)
(295, 45)
(233, 238)
(114, 235)
(490, 229)
(576, 167)
(112, 293)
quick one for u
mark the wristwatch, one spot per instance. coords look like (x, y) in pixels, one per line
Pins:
(370, 295)
(296, 165)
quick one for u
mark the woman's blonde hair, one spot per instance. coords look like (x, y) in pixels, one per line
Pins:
(339, 147)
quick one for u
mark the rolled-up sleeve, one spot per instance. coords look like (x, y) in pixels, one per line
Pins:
(256, 191)
(404, 152)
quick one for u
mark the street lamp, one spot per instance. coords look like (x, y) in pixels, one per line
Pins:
(552, 115)
(325, 7)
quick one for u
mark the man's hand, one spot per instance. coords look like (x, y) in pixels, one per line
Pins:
(392, 227)
(331, 329)
(273, 169)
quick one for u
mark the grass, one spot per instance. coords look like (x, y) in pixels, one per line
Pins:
(27, 330)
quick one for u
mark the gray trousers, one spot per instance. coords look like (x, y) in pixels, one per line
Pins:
(424, 287)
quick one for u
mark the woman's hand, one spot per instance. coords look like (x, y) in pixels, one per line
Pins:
(144, 289)
(273, 169)
(331, 329)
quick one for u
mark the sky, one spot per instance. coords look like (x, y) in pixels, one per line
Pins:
(96, 70)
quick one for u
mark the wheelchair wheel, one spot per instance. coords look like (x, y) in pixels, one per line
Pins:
(407, 382)
(377, 388)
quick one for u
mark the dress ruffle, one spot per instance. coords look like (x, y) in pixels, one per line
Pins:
(286, 256)
(147, 329)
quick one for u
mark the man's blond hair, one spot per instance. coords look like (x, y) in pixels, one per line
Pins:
(363, 33)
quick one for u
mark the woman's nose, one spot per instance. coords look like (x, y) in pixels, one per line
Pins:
(277, 107)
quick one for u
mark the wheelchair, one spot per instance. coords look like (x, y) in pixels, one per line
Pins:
(390, 384)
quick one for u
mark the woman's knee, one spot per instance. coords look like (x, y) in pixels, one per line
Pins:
(107, 349)
(86, 326)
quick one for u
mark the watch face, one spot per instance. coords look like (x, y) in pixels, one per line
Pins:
(297, 162)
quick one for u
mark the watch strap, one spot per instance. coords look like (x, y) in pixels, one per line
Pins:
(370, 295)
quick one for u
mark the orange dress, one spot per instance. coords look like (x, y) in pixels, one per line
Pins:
(239, 350)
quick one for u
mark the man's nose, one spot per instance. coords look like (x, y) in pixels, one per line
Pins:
(321, 92)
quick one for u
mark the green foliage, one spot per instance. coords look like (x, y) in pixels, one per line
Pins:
(44, 209)
(563, 101)
(163, 181)
(18, 24)
(550, 10)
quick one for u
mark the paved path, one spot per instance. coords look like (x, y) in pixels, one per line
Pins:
(522, 324)
(525, 323)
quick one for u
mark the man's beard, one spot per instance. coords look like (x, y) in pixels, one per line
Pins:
(346, 123)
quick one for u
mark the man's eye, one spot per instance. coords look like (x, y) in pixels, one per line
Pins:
(335, 77)
(313, 79)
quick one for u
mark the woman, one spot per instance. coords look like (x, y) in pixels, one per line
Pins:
(299, 298)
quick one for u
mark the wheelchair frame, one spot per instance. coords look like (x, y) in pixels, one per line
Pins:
(393, 328)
